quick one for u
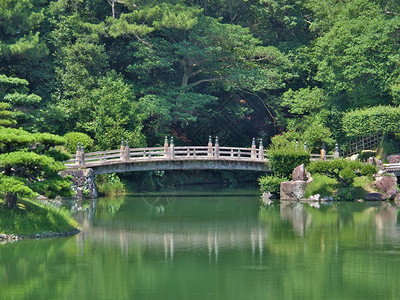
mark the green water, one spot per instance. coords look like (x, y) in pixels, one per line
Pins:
(211, 245)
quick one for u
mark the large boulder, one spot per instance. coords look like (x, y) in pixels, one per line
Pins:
(386, 182)
(393, 194)
(394, 159)
(300, 173)
(293, 190)
(375, 197)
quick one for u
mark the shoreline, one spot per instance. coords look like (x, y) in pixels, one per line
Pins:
(12, 237)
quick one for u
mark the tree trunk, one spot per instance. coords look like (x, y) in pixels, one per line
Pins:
(11, 199)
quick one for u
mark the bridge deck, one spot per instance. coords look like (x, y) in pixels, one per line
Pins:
(170, 157)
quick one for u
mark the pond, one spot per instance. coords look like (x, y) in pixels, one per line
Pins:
(211, 244)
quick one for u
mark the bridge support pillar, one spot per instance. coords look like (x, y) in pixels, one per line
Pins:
(166, 147)
(209, 147)
(78, 155)
(82, 161)
(172, 149)
(253, 149)
(127, 151)
(261, 151)
(336, 153)
(122, 155)
(216, 147)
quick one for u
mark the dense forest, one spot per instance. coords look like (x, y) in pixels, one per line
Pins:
(316, 71)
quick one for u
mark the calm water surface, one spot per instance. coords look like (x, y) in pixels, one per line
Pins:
(211, 245)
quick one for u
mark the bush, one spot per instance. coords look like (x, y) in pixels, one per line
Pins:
(373, 120)
(110, 185)
(344, 171)
(271, 184)
(321, 184)
(73, 138)
(365, 154)
(390, 143)
(283, 161)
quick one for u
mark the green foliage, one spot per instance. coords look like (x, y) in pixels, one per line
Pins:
(343, 170)
(365, 154)
(55, 186)
(271, 184)
(283, 161)
(31, 218)
(5, 115)
(57, 154)
(73, 138)
(369, 121)
(29, 165)
(110, 185)
(16, 185)
(321, 184)
(11, 139)
(390, 143)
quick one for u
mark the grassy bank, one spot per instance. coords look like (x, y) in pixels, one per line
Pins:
(31, 218)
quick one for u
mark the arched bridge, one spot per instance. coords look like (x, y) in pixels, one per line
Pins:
(171, 157)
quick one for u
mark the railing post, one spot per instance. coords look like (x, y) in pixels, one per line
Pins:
(232, 154)
(172, 148)
(166, 147)
(78, 155)
(261, 151)
(209, 150)
(323, 152)
(216, 147)
(127, 151)
(122, 155)
(336, 154)
(253, 149)
(83, 160)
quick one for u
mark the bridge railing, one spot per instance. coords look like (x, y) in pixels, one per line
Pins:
(168, 152)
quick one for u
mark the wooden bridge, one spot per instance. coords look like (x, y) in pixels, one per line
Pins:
(171, 157)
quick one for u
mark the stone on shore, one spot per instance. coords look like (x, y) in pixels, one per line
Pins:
(386, 182)
(375, 197)
(293, 190)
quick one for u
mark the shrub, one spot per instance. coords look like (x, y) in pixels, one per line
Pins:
(73, 138)
(321, 184)
(373, 120)
(271, 184)
(390, 143)
(344, 171)
(365, 154)
(110, 185)
(283, 161)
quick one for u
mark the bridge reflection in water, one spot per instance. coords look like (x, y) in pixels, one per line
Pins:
(168, 233)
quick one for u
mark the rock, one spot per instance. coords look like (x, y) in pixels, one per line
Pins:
(293, 190)
(327, 198)
(41, 197)
(375, 197)
(3, 236)
(392, 194)
(266, 198)
(354, 157)
(79, 193)
(316, 197)
(394, 159)
(315, 204)
(299, 173)
(385, 183)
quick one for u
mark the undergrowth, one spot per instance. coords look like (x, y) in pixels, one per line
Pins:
(30, 217)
